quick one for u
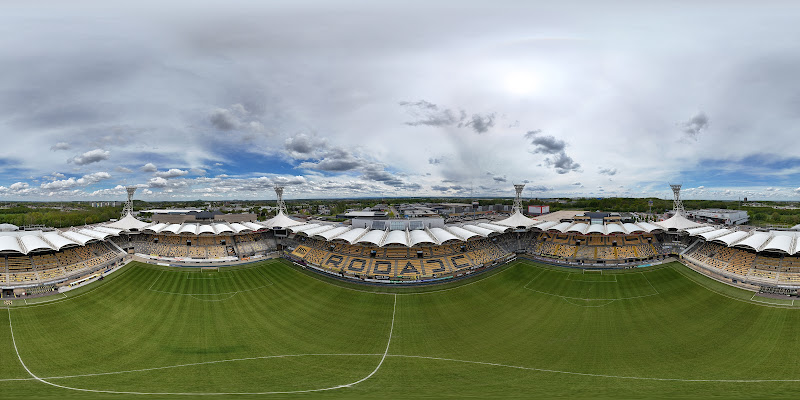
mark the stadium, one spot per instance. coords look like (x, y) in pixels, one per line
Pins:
(574, 306)
(417, 200)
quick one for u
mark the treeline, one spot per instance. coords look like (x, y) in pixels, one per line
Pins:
(53, 217)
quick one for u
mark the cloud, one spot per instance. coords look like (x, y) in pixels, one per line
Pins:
(545, 144)
(171, 173)
(149, 167)
(539, 188)
(91, 156)
(434, 161)
(563, 163)
(499, 179)
(481, 123)
(86, 180)
(576, 184)
(19, 186)
(123, 170)
(235, 117)
(607, 171)
(427, 113)
(695, 126)
(303, 146)
(293, 180)
(60, 146)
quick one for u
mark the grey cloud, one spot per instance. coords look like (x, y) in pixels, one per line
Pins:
(499, 179)
(303, 146)
(91, 156)
(545, 144)
(427, 113)
(481, 123)
(695, 126)
(608, 171)
(440, 188)
(123, 170)
(60, 146)
(563, 163)
(236, 117)
(434, 161)
(332, 165)
(576, 184)
(539, 188)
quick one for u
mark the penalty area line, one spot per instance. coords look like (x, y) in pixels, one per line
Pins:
(347, 385)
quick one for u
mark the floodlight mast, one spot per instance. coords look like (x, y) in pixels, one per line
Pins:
(128, 207)
(281, 204)
(677, 204)
(517, 208)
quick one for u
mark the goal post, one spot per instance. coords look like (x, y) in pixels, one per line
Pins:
(209, 269)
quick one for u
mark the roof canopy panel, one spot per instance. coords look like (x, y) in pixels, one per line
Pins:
(396, 237)
(373, 237)
(9, 244)
(34, 243)
(780, 243)
(755, 241)
(443, 236)
(419, 236)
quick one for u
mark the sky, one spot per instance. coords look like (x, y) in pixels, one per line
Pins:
(223, 100)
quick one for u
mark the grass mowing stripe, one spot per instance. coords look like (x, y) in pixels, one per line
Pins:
(43, 380)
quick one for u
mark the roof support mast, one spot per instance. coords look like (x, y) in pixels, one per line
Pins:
(281, 204)
(517, 208)
(128, 207)
(677, 204)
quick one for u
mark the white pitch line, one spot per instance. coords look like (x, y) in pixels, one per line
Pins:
(45, 381)
(130, 371)
(555, 371)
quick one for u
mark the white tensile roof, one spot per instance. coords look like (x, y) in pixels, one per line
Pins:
(648, 227)
(78, 237)
(189, 228)
(237, 227)
(58, 241)
(614, 228)
(396, 237)
(34, 242)
(205, 228)
(755, 241)
(332, 233)
(374, 236)
(562, 227)
(780, 243)
(252, 226)
(710, 235)
(462, 233)
(677, 222)
(633, 228)
(699, 230)
(128, 223)
(281, 221)
(477, 229)
(732, 238)
(494, 227)
(443, 236)
(352, 235)
(419, 236)
(303, 228)
(517, 220)
(546, 225)
(10, 243)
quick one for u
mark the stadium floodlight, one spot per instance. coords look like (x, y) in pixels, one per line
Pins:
(281, 204)
(128, 207)
(517, 208)
(677, 204)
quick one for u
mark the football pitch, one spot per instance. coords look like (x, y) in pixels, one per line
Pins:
(272, 329)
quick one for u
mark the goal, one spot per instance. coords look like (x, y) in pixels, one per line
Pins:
(209, 269)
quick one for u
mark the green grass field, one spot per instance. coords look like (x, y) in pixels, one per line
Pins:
(523, 330)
